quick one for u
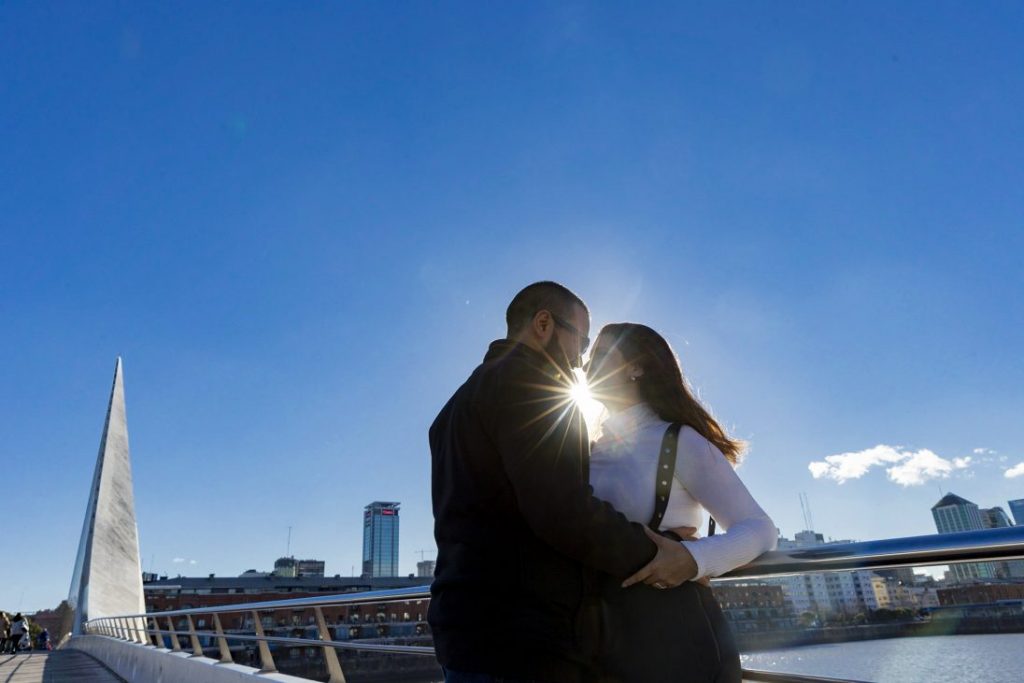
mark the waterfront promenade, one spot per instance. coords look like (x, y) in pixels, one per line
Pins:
(54, 667)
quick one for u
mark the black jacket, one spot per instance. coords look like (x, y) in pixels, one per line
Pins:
(518, 532)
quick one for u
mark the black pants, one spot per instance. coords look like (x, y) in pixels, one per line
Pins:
(678, 635)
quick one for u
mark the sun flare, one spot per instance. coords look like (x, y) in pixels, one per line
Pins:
(584, 399)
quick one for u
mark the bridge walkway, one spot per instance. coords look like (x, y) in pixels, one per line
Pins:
(59, 666)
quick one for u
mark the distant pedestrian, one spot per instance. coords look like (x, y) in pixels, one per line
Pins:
(5, 631)
(19, 627)
(43, 640)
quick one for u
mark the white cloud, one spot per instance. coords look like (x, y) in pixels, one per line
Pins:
(923, 466)
(984, 451)
(1015, 471)
(178, 560)
(905, 467)
(855, 465)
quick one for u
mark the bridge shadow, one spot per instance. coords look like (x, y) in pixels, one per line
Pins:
(59, 666)
(16, 668)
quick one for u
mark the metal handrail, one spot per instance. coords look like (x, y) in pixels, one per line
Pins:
(914, 551)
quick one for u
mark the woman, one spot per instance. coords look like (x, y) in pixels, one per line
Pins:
(655, 632)
(19, 627)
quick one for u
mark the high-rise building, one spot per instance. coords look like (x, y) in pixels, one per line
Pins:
(953, 513)
(380, 539)
(1017, 510)
(425, 569)
(994, 518)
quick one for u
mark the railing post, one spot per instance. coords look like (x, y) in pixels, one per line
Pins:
(175, 645)
(197, 648)
(158, 639)
(222, 642)
(330, 654)
(139, 632)
(120, 628)
(266, 659)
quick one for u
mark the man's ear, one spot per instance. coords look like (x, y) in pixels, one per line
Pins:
(543, 326)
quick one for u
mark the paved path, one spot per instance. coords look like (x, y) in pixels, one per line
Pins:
(60, 666)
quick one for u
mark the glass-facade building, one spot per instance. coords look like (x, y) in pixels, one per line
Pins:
(380, 539)
(953, 513)
(1017, 510)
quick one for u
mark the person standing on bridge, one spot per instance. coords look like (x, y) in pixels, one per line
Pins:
(19, 627)
(5, 631)
(661, 459)
(521, 540)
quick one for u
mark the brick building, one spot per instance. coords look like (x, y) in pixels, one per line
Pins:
(354, 621)
(754, 606)
(980, 593)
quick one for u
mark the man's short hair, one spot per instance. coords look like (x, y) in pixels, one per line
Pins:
(539, 296)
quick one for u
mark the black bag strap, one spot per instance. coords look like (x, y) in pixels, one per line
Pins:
(666, 470)
(663, 480)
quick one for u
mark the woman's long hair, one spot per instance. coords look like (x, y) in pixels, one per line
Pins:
(663, 387)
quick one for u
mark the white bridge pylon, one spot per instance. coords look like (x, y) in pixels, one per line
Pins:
(108, 573)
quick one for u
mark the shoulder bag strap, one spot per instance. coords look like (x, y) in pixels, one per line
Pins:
(666, 470)
(663, 481)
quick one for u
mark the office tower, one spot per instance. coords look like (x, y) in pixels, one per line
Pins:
(425, 569)
(380, 539)
(952, 514)
(995, 518)
(1017, 510)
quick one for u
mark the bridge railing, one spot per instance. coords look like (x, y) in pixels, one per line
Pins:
(151, 628)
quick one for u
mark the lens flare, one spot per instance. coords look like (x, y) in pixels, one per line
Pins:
(580, 391)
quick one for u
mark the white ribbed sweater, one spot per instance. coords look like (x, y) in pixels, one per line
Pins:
(623, 467)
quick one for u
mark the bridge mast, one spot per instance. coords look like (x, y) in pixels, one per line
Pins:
(108, 573)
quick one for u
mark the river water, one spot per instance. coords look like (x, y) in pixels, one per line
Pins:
(997, 658)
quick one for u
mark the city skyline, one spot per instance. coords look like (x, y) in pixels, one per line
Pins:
(301, 227)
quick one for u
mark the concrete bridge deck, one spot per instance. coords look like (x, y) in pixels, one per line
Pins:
(60, 666)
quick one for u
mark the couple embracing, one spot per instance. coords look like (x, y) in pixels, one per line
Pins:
(562, 560)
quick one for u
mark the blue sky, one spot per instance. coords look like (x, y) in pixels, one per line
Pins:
(300, 224)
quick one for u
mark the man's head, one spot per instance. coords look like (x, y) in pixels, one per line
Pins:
(550, 318)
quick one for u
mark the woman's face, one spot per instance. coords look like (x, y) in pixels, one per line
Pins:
(606, 372)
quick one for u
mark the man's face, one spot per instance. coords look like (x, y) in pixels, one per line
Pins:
(572, 336)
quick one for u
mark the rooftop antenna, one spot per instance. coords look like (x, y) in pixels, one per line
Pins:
(421, 553)
(805, 508)
(288, 550)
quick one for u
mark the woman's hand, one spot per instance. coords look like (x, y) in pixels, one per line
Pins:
(686, 533)
(672, 566)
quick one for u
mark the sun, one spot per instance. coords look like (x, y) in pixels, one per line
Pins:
(579, 392)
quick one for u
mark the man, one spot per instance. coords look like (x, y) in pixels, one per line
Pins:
(519, 534)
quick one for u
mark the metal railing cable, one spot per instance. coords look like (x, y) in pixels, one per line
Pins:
(937, 549)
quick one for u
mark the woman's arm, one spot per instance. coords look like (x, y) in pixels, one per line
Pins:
(711, 480)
